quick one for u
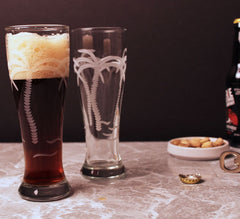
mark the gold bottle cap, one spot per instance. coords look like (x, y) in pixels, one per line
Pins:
(236, 21)
(190, 178)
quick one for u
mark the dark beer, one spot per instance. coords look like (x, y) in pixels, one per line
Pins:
(40, 107)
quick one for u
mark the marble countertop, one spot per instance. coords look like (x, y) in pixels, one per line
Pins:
(151, 188)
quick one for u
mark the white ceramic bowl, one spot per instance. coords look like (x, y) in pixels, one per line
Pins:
(190, 153)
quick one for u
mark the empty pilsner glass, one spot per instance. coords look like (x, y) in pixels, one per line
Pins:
(99, 57)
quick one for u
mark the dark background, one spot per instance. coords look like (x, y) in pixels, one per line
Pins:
(179, 52)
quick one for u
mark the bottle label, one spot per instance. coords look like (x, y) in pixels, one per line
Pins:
(233, 111)
(237, 74)
(232, 121)
(229, 97)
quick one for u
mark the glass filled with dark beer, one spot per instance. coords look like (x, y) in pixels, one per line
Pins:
(99, 58)
(38, 64)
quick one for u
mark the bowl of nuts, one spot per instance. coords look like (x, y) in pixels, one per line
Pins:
(197, 148)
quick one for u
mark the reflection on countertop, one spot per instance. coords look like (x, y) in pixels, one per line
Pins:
(150, 189)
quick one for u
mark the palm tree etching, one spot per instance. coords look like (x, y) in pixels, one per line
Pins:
(20, 65)
(28, 112)
(88, 60)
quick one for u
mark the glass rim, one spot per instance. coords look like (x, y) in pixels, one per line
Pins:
(99, 29)
(37, 27)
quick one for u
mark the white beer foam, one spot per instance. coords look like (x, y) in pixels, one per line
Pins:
(31, 56)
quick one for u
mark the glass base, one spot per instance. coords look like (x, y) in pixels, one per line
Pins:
(104, 171)
(42, 193)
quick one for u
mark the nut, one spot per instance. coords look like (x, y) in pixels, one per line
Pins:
(184, 143)
(207, 144)
(175, 141)
(204, 140)
(218, 142)
(195, 142)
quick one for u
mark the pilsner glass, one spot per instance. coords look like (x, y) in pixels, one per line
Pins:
(99, 56)
(38, 64)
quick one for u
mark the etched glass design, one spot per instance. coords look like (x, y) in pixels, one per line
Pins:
(97, 76)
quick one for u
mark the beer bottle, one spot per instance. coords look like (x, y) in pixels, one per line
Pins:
(233, 91)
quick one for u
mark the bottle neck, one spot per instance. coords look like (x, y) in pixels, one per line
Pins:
(236, 45)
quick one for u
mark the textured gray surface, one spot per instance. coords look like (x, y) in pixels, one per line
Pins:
(151, 188)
